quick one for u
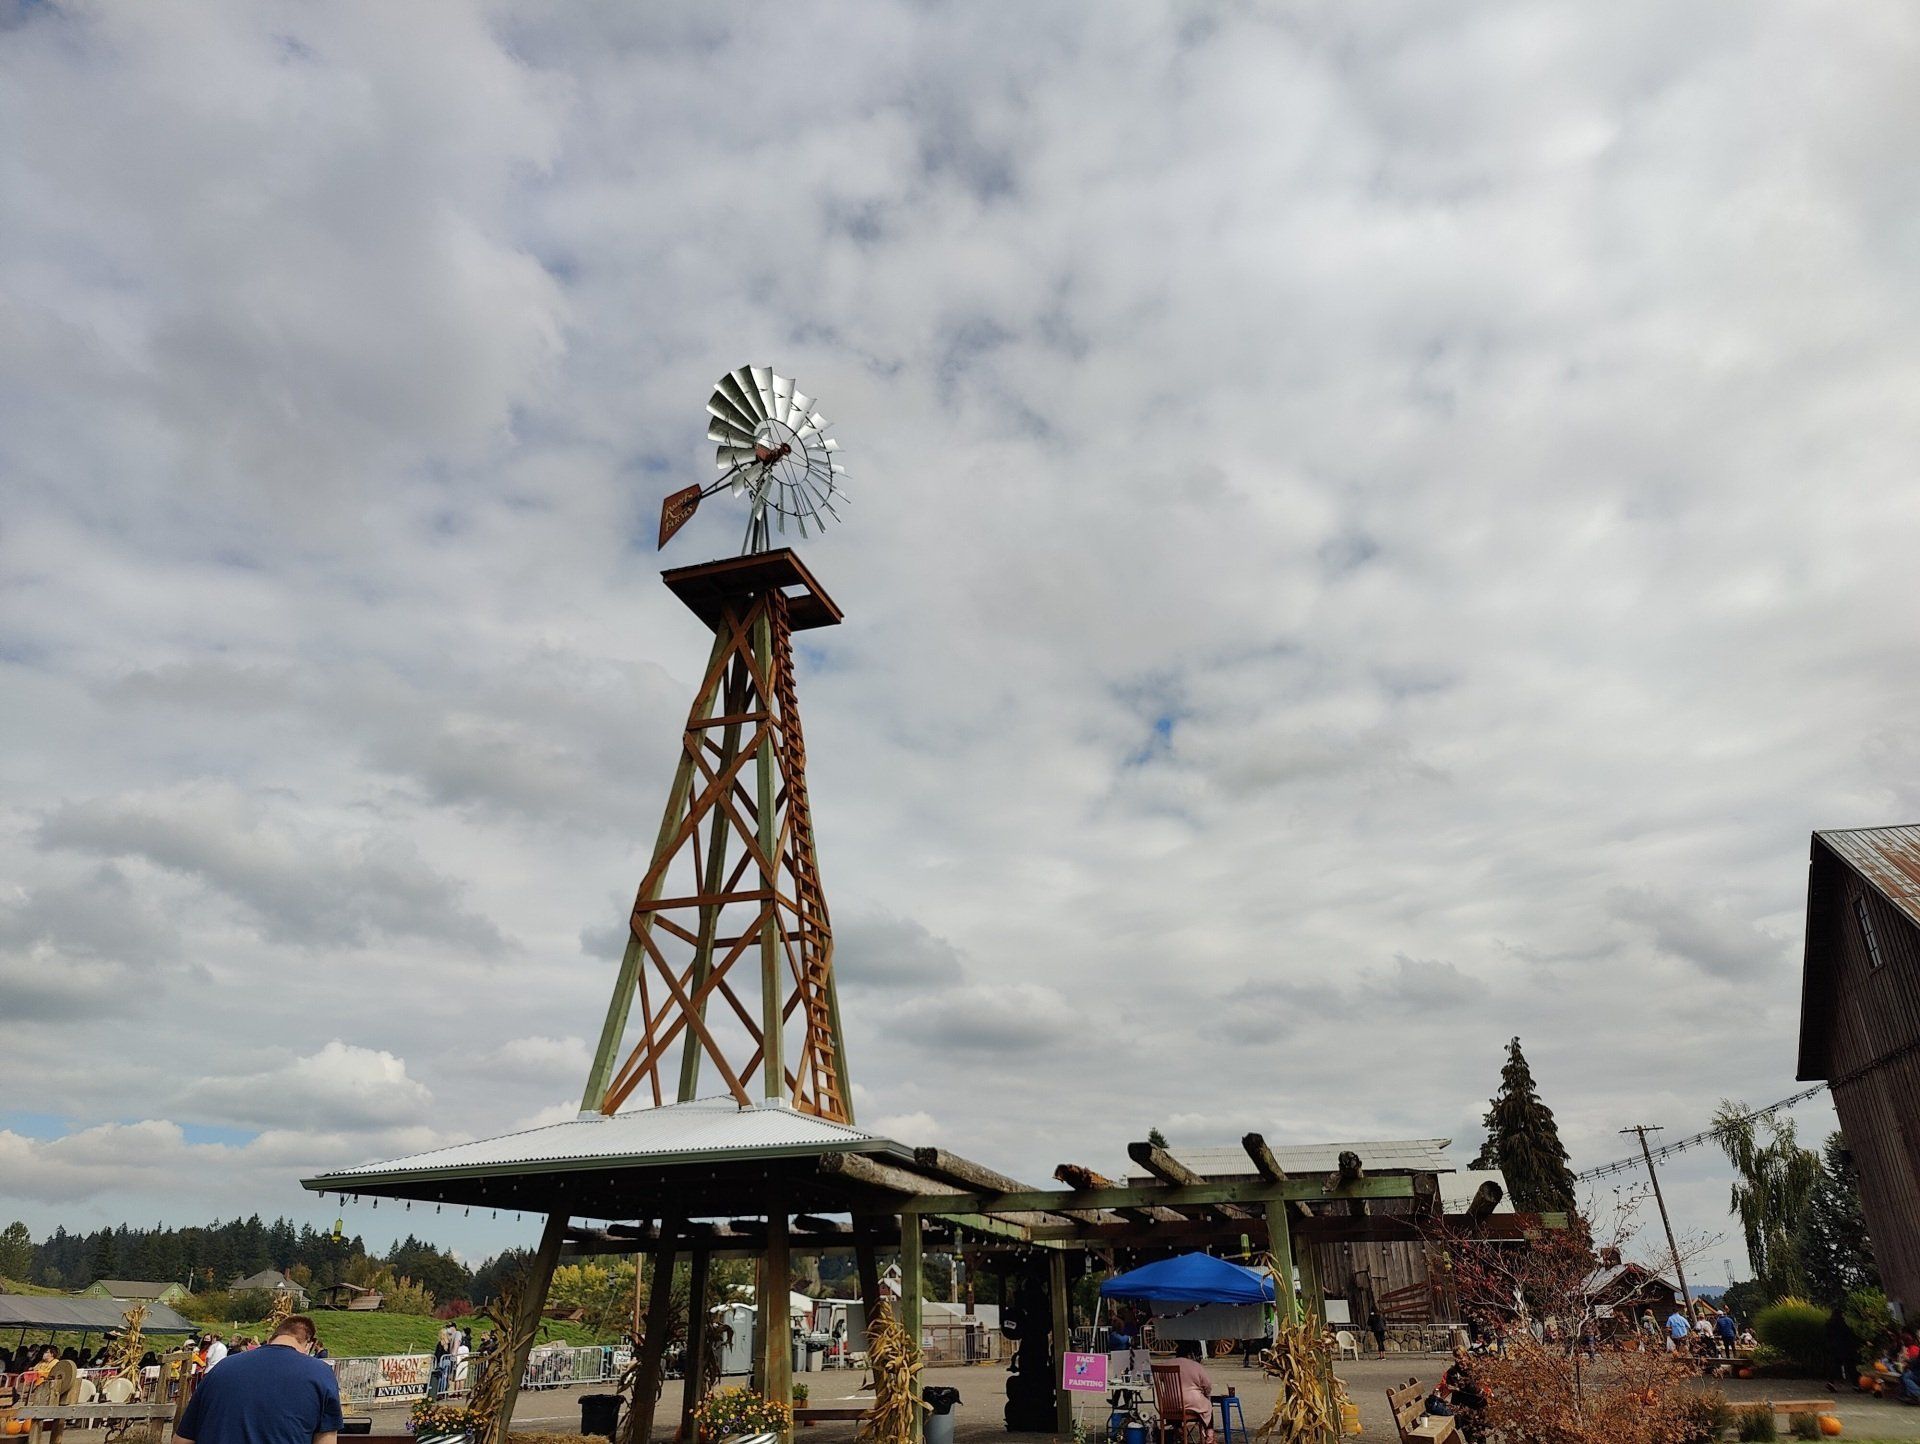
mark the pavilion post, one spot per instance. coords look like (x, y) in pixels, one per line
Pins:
(653, 1347)
(533, 1302)
(694, 1384)
(1057, 1286)
(868, 1267)
(1280, 1246)
(774, 1314)
(1311, 1303)
(910, 1276)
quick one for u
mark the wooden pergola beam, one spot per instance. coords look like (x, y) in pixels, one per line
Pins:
(1216, 1191)
(1168, 1169)
(1079, 1176)
(1268, 1167)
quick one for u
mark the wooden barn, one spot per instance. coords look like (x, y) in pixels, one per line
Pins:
(1860, 1026)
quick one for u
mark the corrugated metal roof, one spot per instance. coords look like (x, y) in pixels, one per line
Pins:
(1415, 1155)
(1887, 857)
(33, 1311)
(675, 1133)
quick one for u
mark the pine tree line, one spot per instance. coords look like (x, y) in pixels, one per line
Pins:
(215, 1254)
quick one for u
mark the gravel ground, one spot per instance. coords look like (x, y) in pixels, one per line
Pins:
(983, 1392)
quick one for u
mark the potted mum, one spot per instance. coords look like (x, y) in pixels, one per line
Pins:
(726, 1412)
(435, 1421)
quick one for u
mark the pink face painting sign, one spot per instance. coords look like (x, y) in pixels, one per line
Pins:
(1085, 1373)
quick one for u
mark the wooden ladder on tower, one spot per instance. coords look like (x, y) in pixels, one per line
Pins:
(812, 973)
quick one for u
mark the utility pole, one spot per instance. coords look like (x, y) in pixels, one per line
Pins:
(1641, 1130)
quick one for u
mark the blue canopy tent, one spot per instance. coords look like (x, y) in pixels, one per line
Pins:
(1191, 1278)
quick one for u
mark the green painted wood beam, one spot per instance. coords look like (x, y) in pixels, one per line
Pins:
(1054, 1200)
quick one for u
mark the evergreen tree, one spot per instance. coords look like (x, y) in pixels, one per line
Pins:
(1156, 1138)
(1835, 1250)
(16, 1252)
(1523, 1142)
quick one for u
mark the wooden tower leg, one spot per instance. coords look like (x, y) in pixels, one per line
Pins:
(632, 960)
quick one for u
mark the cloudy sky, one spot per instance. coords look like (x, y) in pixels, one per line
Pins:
(1373, 531)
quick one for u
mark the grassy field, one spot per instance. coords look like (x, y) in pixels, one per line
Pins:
(11, 1286)
(347, 1333)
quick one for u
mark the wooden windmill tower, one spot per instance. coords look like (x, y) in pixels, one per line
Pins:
(730, 950)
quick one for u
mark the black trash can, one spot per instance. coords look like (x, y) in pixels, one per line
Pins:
(357, 1424)
(940, 1400)
(600, 1414)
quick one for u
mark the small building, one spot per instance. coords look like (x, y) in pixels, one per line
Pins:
(135, 1291)
(1622, 1292)
(1860, 1027)
(350, 1296)
(270, 1281)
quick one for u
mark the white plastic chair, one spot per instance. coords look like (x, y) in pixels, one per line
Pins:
(119, 1391)
(1346, 1344)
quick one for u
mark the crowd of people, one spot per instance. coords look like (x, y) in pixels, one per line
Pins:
(1709, 1333)
(31, 1363)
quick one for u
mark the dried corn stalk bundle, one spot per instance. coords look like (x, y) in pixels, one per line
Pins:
(894, 1360)
(281, 1311)
(1307, 1410)
(123, 1355)
(489, 1396)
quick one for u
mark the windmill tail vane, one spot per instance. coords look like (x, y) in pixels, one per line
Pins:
(771, 445)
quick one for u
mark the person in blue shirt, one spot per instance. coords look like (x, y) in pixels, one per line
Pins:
(271, 1395)
(1724, 1326)
(1679, 1331)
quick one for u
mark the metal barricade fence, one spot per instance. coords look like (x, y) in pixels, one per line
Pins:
(402, 1378)
(961, 1343)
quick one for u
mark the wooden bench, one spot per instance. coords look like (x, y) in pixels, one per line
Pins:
(1801, 1406)
(828, 1413)
(1407, 1404)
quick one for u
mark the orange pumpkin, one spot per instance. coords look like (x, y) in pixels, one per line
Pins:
(1829, 1424)
(1746, 1373)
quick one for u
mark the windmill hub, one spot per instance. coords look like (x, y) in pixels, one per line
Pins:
(772, 447)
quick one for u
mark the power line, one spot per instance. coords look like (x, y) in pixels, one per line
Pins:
(1694, 1140)
(1712, 1135)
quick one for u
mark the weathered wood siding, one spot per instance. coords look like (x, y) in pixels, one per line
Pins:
(1877, 1012)
(1362, 1273)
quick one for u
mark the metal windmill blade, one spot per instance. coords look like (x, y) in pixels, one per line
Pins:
(771, 444)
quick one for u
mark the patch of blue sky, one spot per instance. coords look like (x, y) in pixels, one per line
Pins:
(34, 1125)
(224, 1134)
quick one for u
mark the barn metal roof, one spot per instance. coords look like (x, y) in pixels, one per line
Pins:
(706, 1129)
(1887, 857)
(1410, 1155)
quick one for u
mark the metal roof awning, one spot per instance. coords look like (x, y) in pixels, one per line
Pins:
(34, 1311)
(685, 1158)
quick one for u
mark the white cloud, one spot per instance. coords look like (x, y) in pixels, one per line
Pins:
(1395, 520)
(341, 1086)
